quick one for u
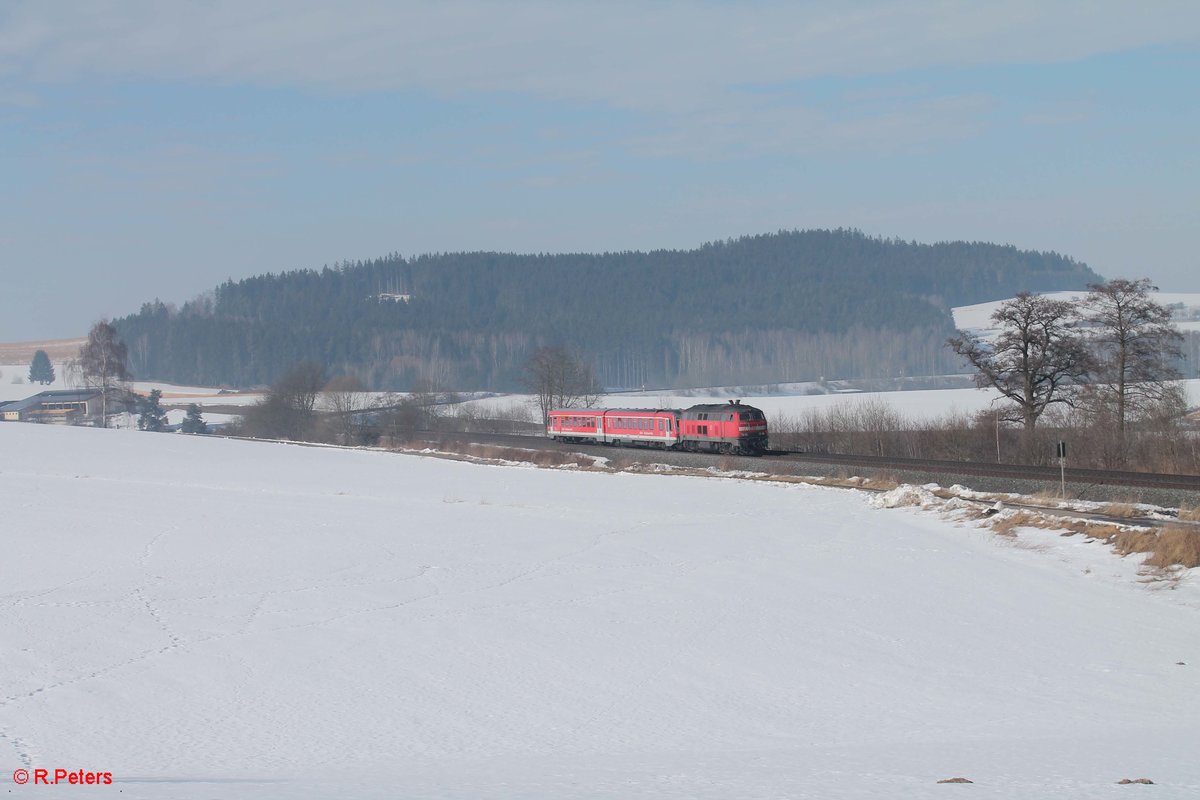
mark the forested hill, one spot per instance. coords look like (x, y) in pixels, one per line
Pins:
(778, 307)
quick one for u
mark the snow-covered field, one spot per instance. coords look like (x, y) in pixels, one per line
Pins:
(923, 404)
(216, 618)
(915, 405)
(978, 317)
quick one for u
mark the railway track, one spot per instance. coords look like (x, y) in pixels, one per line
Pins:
(1094, 477)
(1048, 475)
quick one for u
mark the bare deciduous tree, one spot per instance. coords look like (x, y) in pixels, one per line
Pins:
(345, 397)
(1036, 357)
(288, 410)
(102, 363)
(1134, 344)
(559, 379)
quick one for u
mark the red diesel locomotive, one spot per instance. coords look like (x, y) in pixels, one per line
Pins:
(712, 428)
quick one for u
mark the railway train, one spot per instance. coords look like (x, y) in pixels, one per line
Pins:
(712, 428)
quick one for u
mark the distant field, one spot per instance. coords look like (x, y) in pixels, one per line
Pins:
(978, 316)
(22, 352)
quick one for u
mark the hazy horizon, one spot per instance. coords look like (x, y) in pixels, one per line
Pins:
(156, 150)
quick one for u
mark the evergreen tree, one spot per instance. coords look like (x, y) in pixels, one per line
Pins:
(153, 418)
(193, 422)
(41, 370)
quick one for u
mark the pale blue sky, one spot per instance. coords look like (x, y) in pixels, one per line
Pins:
(153, 149)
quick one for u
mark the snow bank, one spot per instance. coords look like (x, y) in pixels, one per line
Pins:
(905, 495)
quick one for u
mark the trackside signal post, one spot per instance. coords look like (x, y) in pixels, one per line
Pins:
(1062, 469)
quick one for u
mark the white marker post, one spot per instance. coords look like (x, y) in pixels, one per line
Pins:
(1062, 469)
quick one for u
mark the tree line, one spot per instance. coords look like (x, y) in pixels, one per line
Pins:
(795, 305)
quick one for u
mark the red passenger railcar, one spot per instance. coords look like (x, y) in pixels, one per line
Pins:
(642, 426)
(576, 425)
(615, 426)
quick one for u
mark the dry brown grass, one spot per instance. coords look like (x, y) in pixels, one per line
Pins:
(1189, 513)
(621, 463)
(1105, 531)
(1022, 519)
(1120, 510)
(1046, 494)
(883, 481)
(1171, 546)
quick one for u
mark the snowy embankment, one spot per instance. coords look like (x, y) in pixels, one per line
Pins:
(306, 622)
(921, 405)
